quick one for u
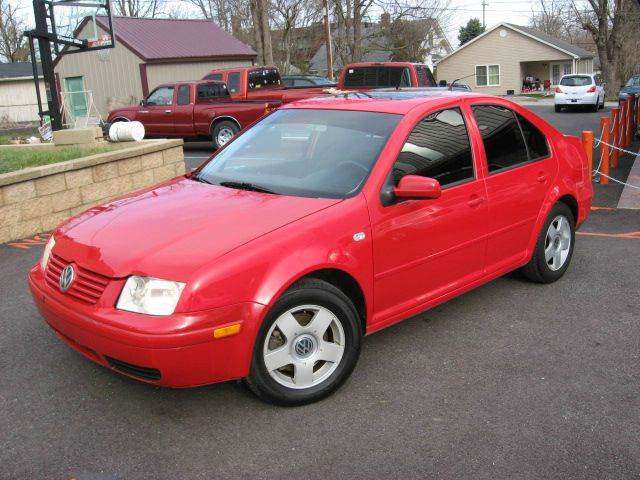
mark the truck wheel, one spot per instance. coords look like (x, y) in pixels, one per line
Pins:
(223, 132)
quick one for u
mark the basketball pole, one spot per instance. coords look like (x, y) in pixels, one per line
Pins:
(46, 62)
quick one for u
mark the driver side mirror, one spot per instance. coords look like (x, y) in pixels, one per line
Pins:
(417, 187)
(143, 102)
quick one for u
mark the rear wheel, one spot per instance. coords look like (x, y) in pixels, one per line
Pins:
(596, 107)
(554, 248)
(222, 133)
(307, 346)
(557, 108)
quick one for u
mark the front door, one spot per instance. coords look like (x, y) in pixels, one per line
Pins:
(75, 98)
(423, 249)
(520, 171)
(157, 111)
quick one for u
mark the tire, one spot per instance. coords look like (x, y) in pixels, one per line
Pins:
(557, 108)
(596, 107)
(296, 375)
(550, 266)
(222, 133)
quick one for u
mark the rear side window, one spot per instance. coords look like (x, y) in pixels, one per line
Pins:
(233, 82)
(209, 91)
(536, 141)
(184, 96)
(425, 78)
(576, 81)
(504, 144)
(377, 77)
(438, 147)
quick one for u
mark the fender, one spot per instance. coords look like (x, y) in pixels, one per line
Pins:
(224, 117)
(261, 270)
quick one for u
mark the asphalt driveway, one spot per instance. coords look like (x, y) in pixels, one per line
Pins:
(512, 380)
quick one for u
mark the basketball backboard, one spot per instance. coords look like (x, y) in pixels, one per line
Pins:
(80, 25)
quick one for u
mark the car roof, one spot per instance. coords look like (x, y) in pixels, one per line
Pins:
(398, 102)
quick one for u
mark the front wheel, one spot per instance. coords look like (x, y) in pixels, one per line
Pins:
(222, 133)
(554, 248)
(307, 346)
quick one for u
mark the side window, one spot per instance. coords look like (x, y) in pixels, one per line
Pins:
(438, 147)
(233, 82)
(184, 95)
(536, 141)
(425, 78)
(503, 142)
(213, 76)
(161, 96)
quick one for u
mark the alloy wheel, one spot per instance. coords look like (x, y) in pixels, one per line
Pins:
(224, 136)
(557, 243)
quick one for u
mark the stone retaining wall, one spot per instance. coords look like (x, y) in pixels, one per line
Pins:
(38, 199)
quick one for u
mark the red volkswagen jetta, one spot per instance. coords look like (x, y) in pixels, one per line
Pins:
(329, 219)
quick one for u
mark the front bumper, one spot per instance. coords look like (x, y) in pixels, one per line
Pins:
(582, 99)
(184, 357)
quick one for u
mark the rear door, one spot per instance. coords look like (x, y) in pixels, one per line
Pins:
(157, 110)
(183, 111)
(521, 169)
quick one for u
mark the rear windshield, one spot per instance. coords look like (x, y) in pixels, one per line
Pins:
(211, 91)
(377, 77)
(264, 78)
(633, 81)
(576, 81)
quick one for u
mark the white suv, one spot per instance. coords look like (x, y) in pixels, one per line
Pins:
(582, 89)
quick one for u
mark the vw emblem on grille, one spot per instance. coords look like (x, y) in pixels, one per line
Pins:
(66, 278)
(304, 347)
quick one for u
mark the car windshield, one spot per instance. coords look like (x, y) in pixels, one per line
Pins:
(304, 152)
(634, 81)
(576, 81)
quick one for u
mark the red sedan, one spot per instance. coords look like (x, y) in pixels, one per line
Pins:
(329, 219)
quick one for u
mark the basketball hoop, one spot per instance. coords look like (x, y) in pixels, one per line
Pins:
(101, 41)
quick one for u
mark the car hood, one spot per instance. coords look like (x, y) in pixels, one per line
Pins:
(174, 229)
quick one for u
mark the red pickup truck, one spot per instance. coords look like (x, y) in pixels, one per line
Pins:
(264, 83)
(193, 109)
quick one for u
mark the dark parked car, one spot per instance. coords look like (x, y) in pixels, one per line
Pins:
(306, 81)
(631, 87)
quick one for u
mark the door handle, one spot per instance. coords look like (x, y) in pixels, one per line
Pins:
(475, 201)
(143, 111)
(542, 177)
(167, 111)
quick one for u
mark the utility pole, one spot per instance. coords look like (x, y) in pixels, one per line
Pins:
(484, 5)
(327, 34)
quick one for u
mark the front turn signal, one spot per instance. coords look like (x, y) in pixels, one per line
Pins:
(226, 331)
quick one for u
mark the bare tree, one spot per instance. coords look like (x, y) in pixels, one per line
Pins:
(292, 19)
(13, 47)
(219, 11)
(262, 30)
(605, 20)
(138, 8)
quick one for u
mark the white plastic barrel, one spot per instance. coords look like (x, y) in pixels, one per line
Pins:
(126, 132)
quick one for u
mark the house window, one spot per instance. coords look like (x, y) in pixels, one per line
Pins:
(487, 75)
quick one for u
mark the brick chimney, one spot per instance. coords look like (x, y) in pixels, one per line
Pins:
(385, 19)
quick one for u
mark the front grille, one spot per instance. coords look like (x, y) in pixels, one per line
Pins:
(134, 370)
(87, 287)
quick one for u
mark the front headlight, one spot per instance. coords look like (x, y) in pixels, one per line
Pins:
(150, 296)
(47, 253)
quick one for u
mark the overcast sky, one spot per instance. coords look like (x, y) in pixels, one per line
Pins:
(518, 12)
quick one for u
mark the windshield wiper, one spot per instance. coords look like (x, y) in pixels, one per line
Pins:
(247, 186)
(198, 178)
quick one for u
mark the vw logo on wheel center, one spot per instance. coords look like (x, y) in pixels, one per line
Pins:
(66, 278)
(304, 346)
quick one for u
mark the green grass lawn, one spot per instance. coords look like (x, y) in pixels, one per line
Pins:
(17, 159)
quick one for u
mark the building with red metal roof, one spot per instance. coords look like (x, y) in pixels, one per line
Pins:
(148, 52)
